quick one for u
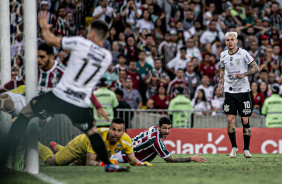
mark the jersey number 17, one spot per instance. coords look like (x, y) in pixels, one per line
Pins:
(86, 61)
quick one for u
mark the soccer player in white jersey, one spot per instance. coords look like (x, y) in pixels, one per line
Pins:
(234, 83)
(88, 62)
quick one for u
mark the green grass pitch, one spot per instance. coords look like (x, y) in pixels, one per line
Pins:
(262, 168)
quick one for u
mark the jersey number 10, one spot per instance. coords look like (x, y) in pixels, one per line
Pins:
(86, 61)
(247, 104)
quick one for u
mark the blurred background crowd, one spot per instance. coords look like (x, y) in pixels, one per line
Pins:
(160, 45)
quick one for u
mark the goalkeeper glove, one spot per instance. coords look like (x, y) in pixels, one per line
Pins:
(113, 161)
(144, 164)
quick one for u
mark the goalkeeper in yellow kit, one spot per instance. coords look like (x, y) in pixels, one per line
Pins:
(79, 150)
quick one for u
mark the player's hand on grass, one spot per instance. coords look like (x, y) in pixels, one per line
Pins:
(239, 76)
(145, 163)
(43, 17)
(101, 112)
(197, 158)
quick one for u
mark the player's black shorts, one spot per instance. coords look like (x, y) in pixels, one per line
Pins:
(241, 102)
(48, 104)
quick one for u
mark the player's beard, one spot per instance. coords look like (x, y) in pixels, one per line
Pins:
(46, 65)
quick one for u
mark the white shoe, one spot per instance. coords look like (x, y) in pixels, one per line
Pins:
(233, 152)
(247, 154)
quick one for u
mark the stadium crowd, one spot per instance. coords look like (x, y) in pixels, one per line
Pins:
(160, 45)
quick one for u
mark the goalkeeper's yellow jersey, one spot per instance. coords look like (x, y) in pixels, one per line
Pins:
(124, 144)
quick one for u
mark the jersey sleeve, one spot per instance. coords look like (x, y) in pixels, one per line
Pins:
(160, 148)
(126, 144)
(222, 61)
(70, 43)
(247, 57)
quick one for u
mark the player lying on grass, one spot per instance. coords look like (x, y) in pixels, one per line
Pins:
(79, 150)
(148, 144)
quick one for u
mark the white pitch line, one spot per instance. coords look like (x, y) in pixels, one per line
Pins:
(48, 179)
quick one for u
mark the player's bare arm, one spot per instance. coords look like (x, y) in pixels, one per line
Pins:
(132, 160)
(46, 34)
(221, 82)
(195, 158)
(91, 160)
(253, 69)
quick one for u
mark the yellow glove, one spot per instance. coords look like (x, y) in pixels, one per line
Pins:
(145, 163)
(113, 161)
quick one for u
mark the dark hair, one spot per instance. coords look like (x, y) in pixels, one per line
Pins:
(119, 92)
(263, 71)
(21, 59)
(101, 28)
(121, 55)
(48, 49)
(204, 96)
(103, 82)
(118, 121)
(216, 86)
(149, 34)
(263, 92)
(164, 120)
(66, 59)
(183, 48)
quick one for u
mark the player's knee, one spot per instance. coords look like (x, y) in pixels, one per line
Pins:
(245, 122)
(247, 131)
(230, 121)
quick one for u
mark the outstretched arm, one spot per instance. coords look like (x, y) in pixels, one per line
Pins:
(221, 82)
(253, 69)
(195, 158)
(46, 34)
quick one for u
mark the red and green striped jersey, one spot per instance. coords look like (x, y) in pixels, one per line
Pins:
(147, 145)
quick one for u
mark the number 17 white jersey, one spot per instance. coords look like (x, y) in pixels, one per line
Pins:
(235, 63)
(88, 62)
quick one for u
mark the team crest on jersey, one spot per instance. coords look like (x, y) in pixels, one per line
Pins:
(226, 108)
(54, 80)
(119, 145)
(237, 62)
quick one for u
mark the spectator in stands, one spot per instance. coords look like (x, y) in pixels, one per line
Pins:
(272, 108)
(134, 75)
(149, 44)
(178, 81)
(254, 52)
(207, 67)
(275, 17)
(115, 52)
(110, 76)
(191, 51)
(262, 76)
(158, 72)
(212, 36)
(131, 96)
(192, 79)
(108, 100)
(264, 88)
(145, 23)
(119, 84)
(112, 35)
(150, 59)
(18, 47)
(121, 64)
(82, 31)
(44, 5)
(258, 98)
(130, 15)
(279, 73)
(180, 39)
(104, 12)
(264, 45)
(276, 54)
(62, 23)
(200, 104)
(238, 11)
(205, 86)
(208, 14)
(14, 75)
(178, 62)
(216, 102)
(160, 100)
(267, 62)
(121, 40)
(18, 65)
(125, 115)
(271, 78)
(72, 27)
(188, 21)
(158, 33)
(130, 50)
(183, 104)
(166, 48)
(142, 38)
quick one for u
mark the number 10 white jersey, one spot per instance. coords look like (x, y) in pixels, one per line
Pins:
(235, 63)
(88, 62)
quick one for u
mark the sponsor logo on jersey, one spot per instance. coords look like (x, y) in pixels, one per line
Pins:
(125, 142)
(91, 56)
(231, 58)
(70, 43)
(246, 111)
(237, 62)
(79, 95)
(226, 108)
(119, 145)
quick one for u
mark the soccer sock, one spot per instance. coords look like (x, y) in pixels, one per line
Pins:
(44, 152)
(99, 147)
(247, 135)
(232, 137)
(58, 147)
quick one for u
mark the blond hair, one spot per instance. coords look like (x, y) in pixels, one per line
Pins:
(234, 34)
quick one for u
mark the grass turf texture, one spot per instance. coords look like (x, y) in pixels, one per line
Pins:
(220, 168)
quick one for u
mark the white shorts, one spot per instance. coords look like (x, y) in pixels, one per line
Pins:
(18, 100)
(118, 157)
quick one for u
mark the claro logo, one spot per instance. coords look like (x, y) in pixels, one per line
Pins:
(188, 148)
(271, 144)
